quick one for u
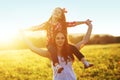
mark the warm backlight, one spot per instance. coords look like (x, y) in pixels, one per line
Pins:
(6, 36)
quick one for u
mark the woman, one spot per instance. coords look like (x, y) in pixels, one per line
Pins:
(64, 54)
(57, 22)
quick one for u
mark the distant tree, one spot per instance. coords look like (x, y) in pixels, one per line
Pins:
(39, 42)
(118, 39)
(74, 39)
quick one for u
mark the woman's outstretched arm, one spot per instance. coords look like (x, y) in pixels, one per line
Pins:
(86, 38)
(39, 51)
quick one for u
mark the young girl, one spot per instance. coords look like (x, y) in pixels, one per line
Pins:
(64, 54)
(57, 22)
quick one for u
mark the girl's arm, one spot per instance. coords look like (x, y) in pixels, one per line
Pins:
(75, 23)
(39, 51)
(37, 27)
(86, 38)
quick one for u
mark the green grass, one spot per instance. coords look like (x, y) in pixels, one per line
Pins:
(26, 65)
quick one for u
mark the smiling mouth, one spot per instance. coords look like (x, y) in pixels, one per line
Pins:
(60, 43)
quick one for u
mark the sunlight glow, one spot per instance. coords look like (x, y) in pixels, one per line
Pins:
(7, 36)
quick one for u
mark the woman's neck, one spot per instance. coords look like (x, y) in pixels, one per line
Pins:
(59, 50)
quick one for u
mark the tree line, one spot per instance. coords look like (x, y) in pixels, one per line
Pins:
(96, 39)
(73, 38)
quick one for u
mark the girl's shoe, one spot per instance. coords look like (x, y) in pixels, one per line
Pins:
(90, 65)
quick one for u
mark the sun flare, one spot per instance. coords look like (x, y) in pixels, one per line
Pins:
(6, 36)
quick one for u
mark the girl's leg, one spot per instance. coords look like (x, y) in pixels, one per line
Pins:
(80, 56)
(76, 52)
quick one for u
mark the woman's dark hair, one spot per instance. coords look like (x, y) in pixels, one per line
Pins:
(66, 50)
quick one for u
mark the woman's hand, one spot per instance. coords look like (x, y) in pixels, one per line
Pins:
(21, 30)
(88, 22)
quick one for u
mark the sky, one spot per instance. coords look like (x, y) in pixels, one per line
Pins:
(19, 14)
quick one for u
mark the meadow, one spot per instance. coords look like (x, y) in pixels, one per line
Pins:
(26, 65)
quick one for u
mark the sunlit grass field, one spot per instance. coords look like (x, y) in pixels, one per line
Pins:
(26, 65)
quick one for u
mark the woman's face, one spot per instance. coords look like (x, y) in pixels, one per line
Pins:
(60, 39)
(57, 13)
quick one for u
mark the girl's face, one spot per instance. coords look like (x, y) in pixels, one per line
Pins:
(57, 13)
(60, 39)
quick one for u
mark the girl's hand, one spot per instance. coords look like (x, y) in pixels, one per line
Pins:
(88, 22)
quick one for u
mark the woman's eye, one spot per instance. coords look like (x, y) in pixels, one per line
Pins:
(60, 38)
(57, 38)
